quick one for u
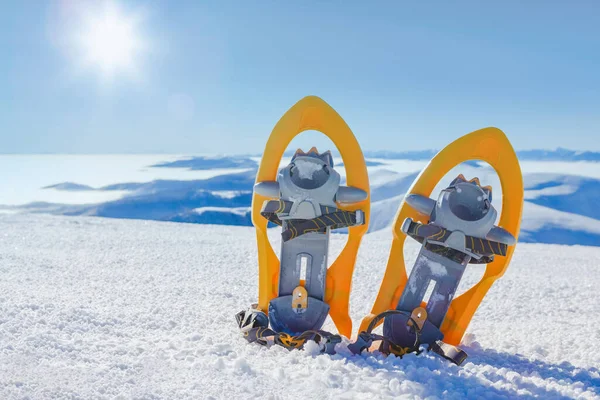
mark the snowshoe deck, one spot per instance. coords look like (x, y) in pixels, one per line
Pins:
(492, 146)
(310, 113)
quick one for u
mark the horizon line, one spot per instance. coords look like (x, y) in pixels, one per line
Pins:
(258, 154)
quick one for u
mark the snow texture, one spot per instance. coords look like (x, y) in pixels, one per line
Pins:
(306, 169)
(94, 308)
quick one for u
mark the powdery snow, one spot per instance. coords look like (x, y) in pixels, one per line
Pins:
(119, 309)
(306, 169)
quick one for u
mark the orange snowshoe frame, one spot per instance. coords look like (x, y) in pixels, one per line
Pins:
(312, 113)
(492, 146)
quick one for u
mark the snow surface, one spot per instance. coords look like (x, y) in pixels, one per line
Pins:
(95, 308)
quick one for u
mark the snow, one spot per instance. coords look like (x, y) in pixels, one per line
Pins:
(539, 217)
(23, 177)
(226, 194)
(381, 176)
(236, 210)
(550, 191)
(306, 169)
(173, 187)
(118, 309)
(383, 212)
(589, 169)
(437, 269)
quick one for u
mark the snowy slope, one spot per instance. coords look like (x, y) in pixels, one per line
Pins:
(545, 225)
(558, 154)
(107, 308)
(561, 196)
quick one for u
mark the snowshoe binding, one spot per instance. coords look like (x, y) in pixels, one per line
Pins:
(457, 229)
(297, 291)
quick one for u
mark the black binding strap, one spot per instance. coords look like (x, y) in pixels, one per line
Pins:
(449, 352)
(255, 330)
(366, 338)
(439, 234)
(331, 217)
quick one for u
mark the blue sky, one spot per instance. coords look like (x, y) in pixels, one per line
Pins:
(216, 76)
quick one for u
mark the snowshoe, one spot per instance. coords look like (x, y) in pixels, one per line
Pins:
(297, 291)
(456, 230)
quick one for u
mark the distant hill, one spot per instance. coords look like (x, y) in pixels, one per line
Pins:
(559, 154)
(561, 207)
(208, 162)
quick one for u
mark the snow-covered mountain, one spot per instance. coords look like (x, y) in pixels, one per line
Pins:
(561, 207)
(558, 154)
(98, 308)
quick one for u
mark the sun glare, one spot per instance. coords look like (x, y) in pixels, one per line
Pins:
(109, 40)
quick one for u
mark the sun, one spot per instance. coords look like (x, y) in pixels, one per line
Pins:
(110, 41)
